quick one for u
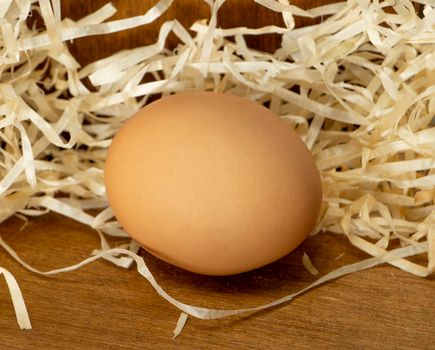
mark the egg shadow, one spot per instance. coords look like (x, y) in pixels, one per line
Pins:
(284, 276)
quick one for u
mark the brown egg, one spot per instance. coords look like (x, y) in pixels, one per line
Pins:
(213, 183)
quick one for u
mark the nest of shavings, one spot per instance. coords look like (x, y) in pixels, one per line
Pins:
(359, 89)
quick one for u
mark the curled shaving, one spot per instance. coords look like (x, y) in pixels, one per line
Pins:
(357, 88)
(306, 261)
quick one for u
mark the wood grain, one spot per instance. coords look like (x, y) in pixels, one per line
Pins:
(105, 307)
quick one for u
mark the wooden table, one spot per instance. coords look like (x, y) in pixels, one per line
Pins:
(102, 306)
(105, 307)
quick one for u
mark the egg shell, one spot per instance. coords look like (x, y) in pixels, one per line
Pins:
(213, 183)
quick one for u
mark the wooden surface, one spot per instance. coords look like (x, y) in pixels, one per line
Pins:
(102, 306)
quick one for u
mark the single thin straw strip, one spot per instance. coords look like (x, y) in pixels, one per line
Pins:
(17, 300)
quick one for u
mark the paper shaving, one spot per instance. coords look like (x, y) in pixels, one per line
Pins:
(180, 324)
(357, 88)
(306, 261)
